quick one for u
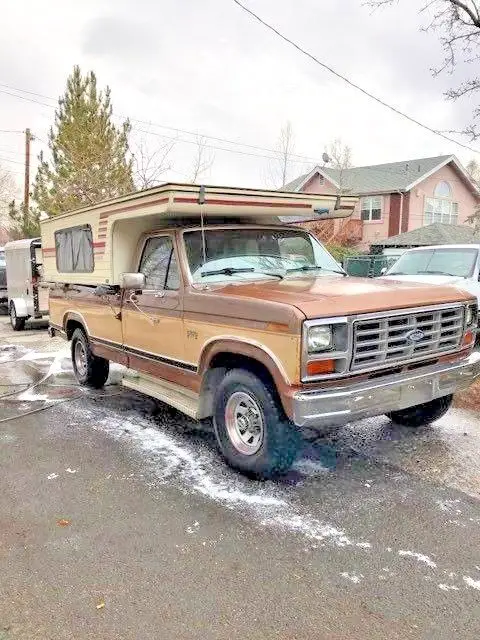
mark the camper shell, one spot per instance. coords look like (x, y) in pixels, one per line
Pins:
(114, 228)
(223, 309)
(26, 296)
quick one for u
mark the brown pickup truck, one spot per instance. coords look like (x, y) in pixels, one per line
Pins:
(223, 311)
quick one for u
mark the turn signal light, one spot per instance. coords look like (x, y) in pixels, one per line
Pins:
(320, 367)
(468, 338)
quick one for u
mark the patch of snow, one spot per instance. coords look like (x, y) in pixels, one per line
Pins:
(71, 470)
(352, 577)
(420, 557)
(450, 506)
(470, 582)
(52, 476)
(448, 587)
(363, 545)
(30, 396)
(310, 468)
(198, 469)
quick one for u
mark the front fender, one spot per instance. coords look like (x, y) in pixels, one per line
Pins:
(256, 352)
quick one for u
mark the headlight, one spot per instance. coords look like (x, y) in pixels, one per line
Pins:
(319, 338)
(471, 315)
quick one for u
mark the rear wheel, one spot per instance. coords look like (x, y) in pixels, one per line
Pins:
(422, 414)
(90, 370)
(252, 431)
(18, 324)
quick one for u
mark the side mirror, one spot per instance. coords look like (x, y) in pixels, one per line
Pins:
(132, 281)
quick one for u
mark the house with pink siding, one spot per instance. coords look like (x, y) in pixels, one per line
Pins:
(397, 197)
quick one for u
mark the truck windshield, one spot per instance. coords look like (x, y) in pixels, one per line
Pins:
(251, 254)
(448, 262)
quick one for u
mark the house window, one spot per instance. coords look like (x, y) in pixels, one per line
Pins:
(443, 190)
(441, 208)
(371, 208)
(74, 250)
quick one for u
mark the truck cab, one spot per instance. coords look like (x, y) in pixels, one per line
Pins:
(221, 309)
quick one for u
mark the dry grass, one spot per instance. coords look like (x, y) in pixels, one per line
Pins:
(469, 399)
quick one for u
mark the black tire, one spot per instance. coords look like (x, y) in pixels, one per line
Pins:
(281, 440)
(94, 372)
(422, 414)
(18, 324)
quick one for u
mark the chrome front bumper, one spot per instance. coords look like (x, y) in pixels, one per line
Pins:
(337, 406)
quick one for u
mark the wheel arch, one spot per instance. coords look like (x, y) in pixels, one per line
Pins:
(71, 321)
(222, 355)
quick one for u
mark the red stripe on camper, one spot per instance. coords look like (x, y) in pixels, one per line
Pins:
(245, 203)
(142, 205)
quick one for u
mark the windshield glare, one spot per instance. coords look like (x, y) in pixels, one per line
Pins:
(255, 253)
(449, 262)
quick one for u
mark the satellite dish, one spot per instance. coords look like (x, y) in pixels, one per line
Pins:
(325, 157)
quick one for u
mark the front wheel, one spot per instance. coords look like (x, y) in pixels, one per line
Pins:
(252, 431)
(422, 414)
(90, 370)
(18, 324)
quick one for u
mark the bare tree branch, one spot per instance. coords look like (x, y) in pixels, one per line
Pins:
(458, 25)
(202, 161)
(150, 164)
(280, 167)
(341, 159)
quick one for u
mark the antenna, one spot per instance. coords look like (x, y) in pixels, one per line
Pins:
(201, 202)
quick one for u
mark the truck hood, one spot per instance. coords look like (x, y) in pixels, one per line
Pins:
(327, 296)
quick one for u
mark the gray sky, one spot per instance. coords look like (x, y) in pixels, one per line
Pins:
(204, 65)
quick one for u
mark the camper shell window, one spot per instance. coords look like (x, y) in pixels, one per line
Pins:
(74, 249)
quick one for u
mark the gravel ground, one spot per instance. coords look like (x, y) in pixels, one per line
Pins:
(118, 519)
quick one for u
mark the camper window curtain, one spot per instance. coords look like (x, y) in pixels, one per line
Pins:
(74, 250)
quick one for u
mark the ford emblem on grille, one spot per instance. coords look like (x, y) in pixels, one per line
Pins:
(415, 335)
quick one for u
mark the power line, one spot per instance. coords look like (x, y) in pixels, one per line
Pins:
(350, 82)
(8, 160)
(295, 156)
(10, 131)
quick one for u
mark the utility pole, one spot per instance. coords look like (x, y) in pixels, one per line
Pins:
(26, 188)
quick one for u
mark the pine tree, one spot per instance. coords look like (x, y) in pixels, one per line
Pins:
(89, 153)
(21, 225)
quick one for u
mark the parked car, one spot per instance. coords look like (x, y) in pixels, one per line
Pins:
(26, 297)
(224, 312)
(452, 264)
(3, 278)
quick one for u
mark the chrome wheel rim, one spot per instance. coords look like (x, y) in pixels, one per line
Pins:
(244, 422)
(80, 356)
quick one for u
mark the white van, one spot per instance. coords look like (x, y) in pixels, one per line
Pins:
(26, 298)
(454, 264)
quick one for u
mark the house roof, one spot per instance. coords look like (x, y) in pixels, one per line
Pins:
(433, 234)
(382, 178)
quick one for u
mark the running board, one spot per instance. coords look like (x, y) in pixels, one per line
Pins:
(174, 395)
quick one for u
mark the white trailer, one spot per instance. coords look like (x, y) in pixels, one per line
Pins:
(26, 297)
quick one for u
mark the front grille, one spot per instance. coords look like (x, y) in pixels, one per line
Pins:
(384, 341)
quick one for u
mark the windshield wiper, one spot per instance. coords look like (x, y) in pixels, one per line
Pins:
(311, 268)
(438, 273)
(230, 271)
(227, 271)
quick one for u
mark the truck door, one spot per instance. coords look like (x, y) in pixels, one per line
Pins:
(152, 319)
